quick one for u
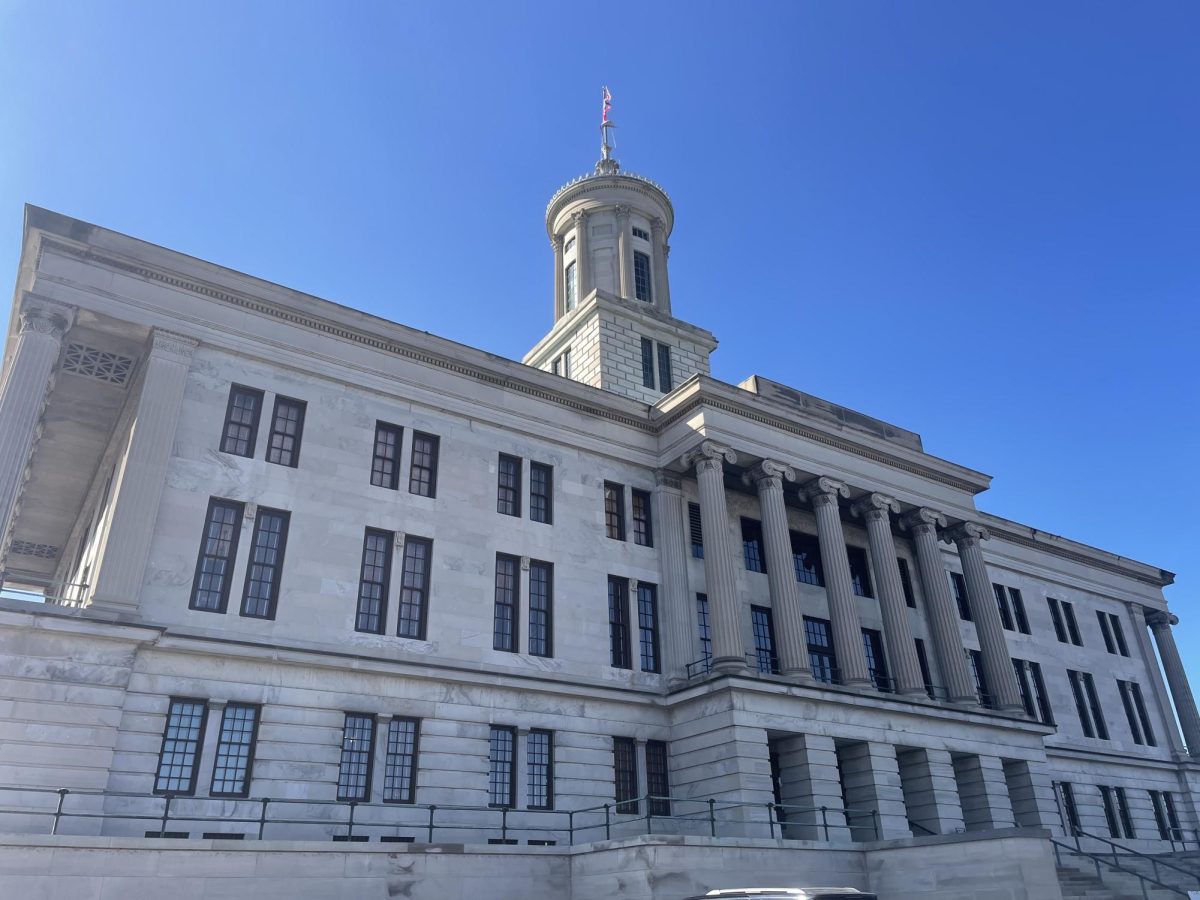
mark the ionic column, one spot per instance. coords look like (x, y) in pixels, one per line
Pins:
(902, 651)
(1181, 691)
(993, 648)
(139, 485)
(676, 610)
(624, 252)
(583, 256)
(24, 392)
(560, 298)
(1162, 699)
(658, 245)
(768, 476)
(823, 493)
(943, 615)
(729, 653)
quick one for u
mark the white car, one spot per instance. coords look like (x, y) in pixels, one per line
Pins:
(812, 893)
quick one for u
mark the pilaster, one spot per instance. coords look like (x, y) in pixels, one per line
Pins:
(658, 239)
(983, 792)
(676, 610)
(871, 784)
(583, 256)
(811, 789)
(624, 252)
(1032, 794)
(556, 243)
(930, 791)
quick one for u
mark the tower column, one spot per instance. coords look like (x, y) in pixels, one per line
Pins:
(1138, 614)
(583, 256)
(729, 653)
(676, 611)
(875, 509)
(823, 493)
(658, 246)
(624, 252)
(559, 278)
(1181, 691)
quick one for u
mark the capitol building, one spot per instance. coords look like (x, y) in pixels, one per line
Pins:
(297, 601)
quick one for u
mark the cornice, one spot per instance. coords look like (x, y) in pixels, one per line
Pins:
(628, 181)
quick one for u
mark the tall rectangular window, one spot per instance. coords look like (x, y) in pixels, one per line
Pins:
(179, 756)
(1041, 696)
(218, 549)
(541, 493)
(400, 763)
(1006, 619)
(910, 599)
(860, 572)
(625, 778)
(1089, 686)
(423, 467)
(959, 587)
(541, 608)
(502, 786)
(1087, 704)
(1066, 628)
(1012, 608)
(1018, 610)
(385, 461)
(752, 545)
(539, 764)
(977, 672)
(373, 580)
(647, 598)
(354, 769)
(1023, 686)
(1056, 616)
(1123, 816)
(287, 426)
(1116, 812)
(1070, 810)
(763, 629)
(658, 778)
(508, 485)
(696, 531)
(648, 363)
(508, 588)
(614, 510)
(264, 568)
(1135, 713)
(666, 382)
(235, 750)
(572, 287)
(641, 276)
(806, 558)
(1114, 637)
(618, 622)
(566, 363)
(241, 421)
(643, 525)
(876, 661)
(705, 630)
(1165, 816)
(926, 674)
(414, 588)
(821, 656)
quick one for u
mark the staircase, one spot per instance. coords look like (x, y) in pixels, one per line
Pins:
(1082, 884)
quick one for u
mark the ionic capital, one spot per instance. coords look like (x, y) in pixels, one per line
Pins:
(40, 316)
(966, 534)
(875, 506)
(709, 455)
(922, 520)
(1160, 618)
(769, 475)
(824, 491)
(665, 478)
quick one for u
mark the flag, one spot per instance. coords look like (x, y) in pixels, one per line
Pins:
(607, 97)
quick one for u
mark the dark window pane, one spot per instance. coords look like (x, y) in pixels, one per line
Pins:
(643, 529)
(241, 421)
(1045, 713)
(179, 755)
(658, 782)
(752, 546)
(354, 771)
(806, 557)
(218, 549)
(572, 290)
(1068, 798)
(618, 622)
(977, 672)
(641, 276)
(1018, 610)
(385, 461)
(235, 749)
(539, 762)
(541, 606)
(910, 598)
(647, 596)
(764, 640)
(414, 588)
(501, 756)
(373, 581)
(422, 472)
(504, 627)
(665, 381)
(400, 764)
(1072, 626)
(541, 492)
(705, 630)
(821, 655)
(1094, 705)
(696, 530)
(1056, 616)
(959, 587)
(508, 485)
(287, 426)
(860, 574)
(876, 661)
(614, 510)
(1118, 634)
(265, 565)
(1085, 721)
(648, 363)
(923, 662)
(1002, 605)
(625, 775)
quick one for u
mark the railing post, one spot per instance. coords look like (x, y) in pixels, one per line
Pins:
(607, 824)
(350, 821)
(571, 827)
(432, 807)
(825, 823)
(162, 831)
(504, 823)
(262, 817)
(712, 817)
(771, 818)
(62, 795)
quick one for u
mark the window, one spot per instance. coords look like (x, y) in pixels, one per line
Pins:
(235, 751)
(860, 574)
(618, 622)
(556, 365)
(541, 608)
(570, 244)
(910, 599)
(647, 598)
(876, 661)
(1070, 810)
(1087, 704)
(1006, 619)
(625, 780)
(385, 462)
(1060, 628)
(752, 545)
(1033, 691)
(665, 381)
(354, 770)
(265, 565)
(572, 289)
(696, 531)
(566, 363)
(179, 756)
(658, 779)
(1114, 637)
(422, 471)
(241, 421)
(373, 580)
(400, 763)
(539, 764)
(1165, 816)
(614, 510)
(508, 588)
(1116, 812)
(648, 363)
(287, 425)
(960, 596)
(218, 549)
(541, 493)
(502, 787)
(1065, 626)
(977, 672)
(641, 276)
(764, 640)
(508, 485)
(641, 233)
(1135, 713)
(806, 557)
(923, 662)
(704, 629)
(414, 588)
(1018, 608)
(821, 656)
(643, 527)
(1012, 608)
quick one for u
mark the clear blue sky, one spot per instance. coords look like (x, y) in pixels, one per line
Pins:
(976, 220)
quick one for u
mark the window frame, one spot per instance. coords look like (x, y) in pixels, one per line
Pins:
(643, 525)
(435, 443)
(302, 409)
(614, 510)
(368, 766)
(807, 548)
(404, 770)
(500, 767)
(539, 770)
(397, 432)
(666, 379)
(507, 597)
(754, 556)
(822, 657)
(625, 776)
(860, 580)
(238, 509)
(646, 275)
(423, 606)
(570, 286)
(647, 363)
(508, 467)
(658, 778)
(545, 496)
(197, 748)
(906, 585)
(547, 651)
(649, 652)
(695, 530)
(384, 584)
(704, 629)
(251, 744)
(877, 667)
(762, 627)
(958, 590)
(252, 439)
(276, 567)
(620, 652)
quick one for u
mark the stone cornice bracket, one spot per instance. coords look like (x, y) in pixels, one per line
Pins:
(169, 345)
(965, 533)
(875, 506)
(769, 471)
(919, 520)
(824, 490)
(668, 479)
(709, 454)
(1161, 618)
(42, 316)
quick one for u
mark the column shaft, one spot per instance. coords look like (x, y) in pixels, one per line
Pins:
(678, 649)
(583, 256)
(768, 477)
(624, 253)
(1181, 689)
(559, 278)
(658, 245)
(1162, 699)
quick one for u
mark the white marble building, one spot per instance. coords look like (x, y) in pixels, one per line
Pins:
(292, 551)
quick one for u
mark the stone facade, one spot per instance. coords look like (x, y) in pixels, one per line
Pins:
(782, 613)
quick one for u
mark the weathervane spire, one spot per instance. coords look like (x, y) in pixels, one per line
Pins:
(607, 165)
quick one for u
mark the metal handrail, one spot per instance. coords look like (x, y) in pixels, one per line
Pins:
(1129, 851)
(1098, 858)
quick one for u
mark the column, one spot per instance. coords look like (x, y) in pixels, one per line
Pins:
(1181, 691)
(676, 610)
(930, 791)
(658, 245)
(943, 614)
(559, 275)
(139, 485)
(1158, 687)
(583, 255)
(24, 392)
(768, 476)
(823, 493)
(997, 664)
(871, 784)
(725, 608)
(902, 650)
(983, 792)
(624, 252)
(811, 789)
